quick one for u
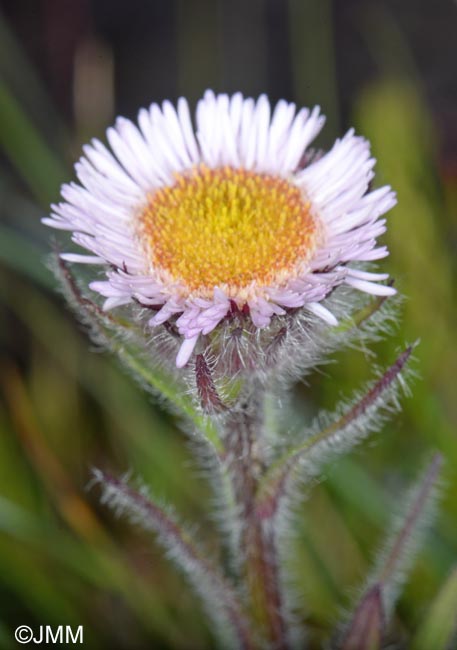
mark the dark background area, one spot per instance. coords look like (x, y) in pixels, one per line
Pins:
(296, 49)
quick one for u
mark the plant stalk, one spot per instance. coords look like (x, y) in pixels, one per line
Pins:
(258, 544)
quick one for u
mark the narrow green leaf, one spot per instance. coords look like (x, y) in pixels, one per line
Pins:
(26, 149)
(439, 625)
(23, 79)
(99, 565)
(21, 255)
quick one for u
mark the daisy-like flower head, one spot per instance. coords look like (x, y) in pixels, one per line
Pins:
(194, 221)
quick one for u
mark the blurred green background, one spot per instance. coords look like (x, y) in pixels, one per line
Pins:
(66, 69)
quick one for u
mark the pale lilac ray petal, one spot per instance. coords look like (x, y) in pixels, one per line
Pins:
(162, 168)
(246, 131)
(263, 132)
(173, 127)
(174, 156)
(206, 131)
(188, 130)
(374, 254)
(229, 143)
(282, 118)
(103, 160)
(319, 310)
(185, 351)
(111, 303)
(82, 259)
(119, 143)
(169, 309)
(371, 287)
(366, 275)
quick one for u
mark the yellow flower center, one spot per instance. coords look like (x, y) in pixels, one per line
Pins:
(229, 228)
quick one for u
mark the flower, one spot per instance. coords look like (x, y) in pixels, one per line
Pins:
(236, 212)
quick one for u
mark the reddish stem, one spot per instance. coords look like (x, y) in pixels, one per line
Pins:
(258, 539)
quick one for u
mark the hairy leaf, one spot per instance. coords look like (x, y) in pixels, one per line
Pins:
(396, 557)
(217, 594)
(113, 333)
(338, 436)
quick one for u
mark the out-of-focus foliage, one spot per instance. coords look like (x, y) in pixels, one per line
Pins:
(66, 407)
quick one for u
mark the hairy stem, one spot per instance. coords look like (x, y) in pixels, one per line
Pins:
(258, 544)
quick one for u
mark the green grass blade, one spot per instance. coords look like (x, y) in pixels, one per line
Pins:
(26, 149)
(439, 625)
(24, 257)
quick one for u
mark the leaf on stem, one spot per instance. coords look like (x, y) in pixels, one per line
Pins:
(217, 594)
(119, 337)
(396, 558)
(338, 436)
(393, 564)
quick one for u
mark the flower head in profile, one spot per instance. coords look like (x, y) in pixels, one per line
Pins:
(194, 220)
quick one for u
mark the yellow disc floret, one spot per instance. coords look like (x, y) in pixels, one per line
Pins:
(229, 228)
